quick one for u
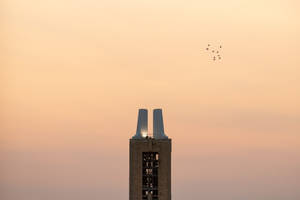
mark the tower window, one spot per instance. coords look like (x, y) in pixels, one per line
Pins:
(150, 176)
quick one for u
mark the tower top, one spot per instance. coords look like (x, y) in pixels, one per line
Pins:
(158, 125)
(142, 125)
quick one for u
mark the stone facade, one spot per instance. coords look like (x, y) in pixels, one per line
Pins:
(137, 148)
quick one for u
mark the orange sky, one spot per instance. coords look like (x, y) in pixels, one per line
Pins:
(74, 73)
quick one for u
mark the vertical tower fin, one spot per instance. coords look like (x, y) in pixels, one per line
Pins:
(158, 125)
(142, 124)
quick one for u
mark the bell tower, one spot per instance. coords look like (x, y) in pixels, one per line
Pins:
(150, 160)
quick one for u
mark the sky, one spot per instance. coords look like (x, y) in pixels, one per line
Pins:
(73, 75)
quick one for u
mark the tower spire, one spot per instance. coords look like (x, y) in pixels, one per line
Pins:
(142, 124)
(158, 125)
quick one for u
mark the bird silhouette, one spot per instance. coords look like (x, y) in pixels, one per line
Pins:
(216, 54)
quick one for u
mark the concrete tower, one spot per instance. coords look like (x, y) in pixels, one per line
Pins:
(150, 160)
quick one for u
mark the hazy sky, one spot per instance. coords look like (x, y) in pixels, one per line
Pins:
(74, 73)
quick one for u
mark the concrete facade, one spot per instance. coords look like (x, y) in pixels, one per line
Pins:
(162, 147)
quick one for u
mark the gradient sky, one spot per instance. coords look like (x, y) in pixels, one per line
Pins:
(75, 72)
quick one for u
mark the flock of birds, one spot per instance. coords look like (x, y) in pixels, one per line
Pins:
(216, 52)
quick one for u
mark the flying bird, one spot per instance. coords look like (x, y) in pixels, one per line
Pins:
(216, 53)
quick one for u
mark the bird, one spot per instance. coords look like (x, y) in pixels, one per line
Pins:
(215, 52)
